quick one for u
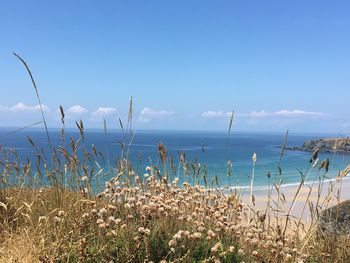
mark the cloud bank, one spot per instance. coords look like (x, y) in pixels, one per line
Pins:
(262, 114)
(21, 107)
(102, 112)
(147, 115)
(77, 109)
(285, 113)
(214, 114)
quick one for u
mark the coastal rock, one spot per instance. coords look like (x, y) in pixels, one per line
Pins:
(325, 145)
(336, 219)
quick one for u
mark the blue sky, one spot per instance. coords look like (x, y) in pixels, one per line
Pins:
(280, 64)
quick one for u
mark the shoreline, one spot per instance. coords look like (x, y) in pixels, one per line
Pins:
(325, 195)
(288, 185)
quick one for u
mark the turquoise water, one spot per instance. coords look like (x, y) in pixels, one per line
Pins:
(214, 149)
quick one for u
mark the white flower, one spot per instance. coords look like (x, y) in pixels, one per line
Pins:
(85, 215)
(111, 219)
(93, 211)
(172, 243)
(61, 213)
(42, 219)
(216, 247)
(99, 221)
(254, 157)
(102, 211)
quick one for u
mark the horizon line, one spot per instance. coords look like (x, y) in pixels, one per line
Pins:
(340, 134)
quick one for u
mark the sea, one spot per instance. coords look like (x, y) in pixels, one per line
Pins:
(227, 157)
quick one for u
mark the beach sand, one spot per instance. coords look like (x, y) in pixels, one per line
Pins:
(310, 195)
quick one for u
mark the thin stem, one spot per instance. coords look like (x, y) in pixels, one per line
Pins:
(38, 97)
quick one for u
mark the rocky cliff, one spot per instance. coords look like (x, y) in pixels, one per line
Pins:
(336, 219)
(325, 145)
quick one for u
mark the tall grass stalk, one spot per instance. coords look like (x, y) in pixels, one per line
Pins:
(252, 203)
(38, 98)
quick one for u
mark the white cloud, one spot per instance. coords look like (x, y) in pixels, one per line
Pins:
(102, 112)
(288, 113)
(285, 113)
(21, 107)
(215, 114)
(262, 114)
(257, 114)
(77, 109)
(74, 112)
(148, 114)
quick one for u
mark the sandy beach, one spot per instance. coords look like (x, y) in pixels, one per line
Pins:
(310, 195)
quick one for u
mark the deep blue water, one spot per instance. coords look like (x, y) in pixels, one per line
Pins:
(212, 148)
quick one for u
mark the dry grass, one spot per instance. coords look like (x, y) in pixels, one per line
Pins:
(148, 218)
(30, 222)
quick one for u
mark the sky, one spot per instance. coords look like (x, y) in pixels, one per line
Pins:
(279, 64)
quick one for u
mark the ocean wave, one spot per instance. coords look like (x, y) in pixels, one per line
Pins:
(266, 187)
